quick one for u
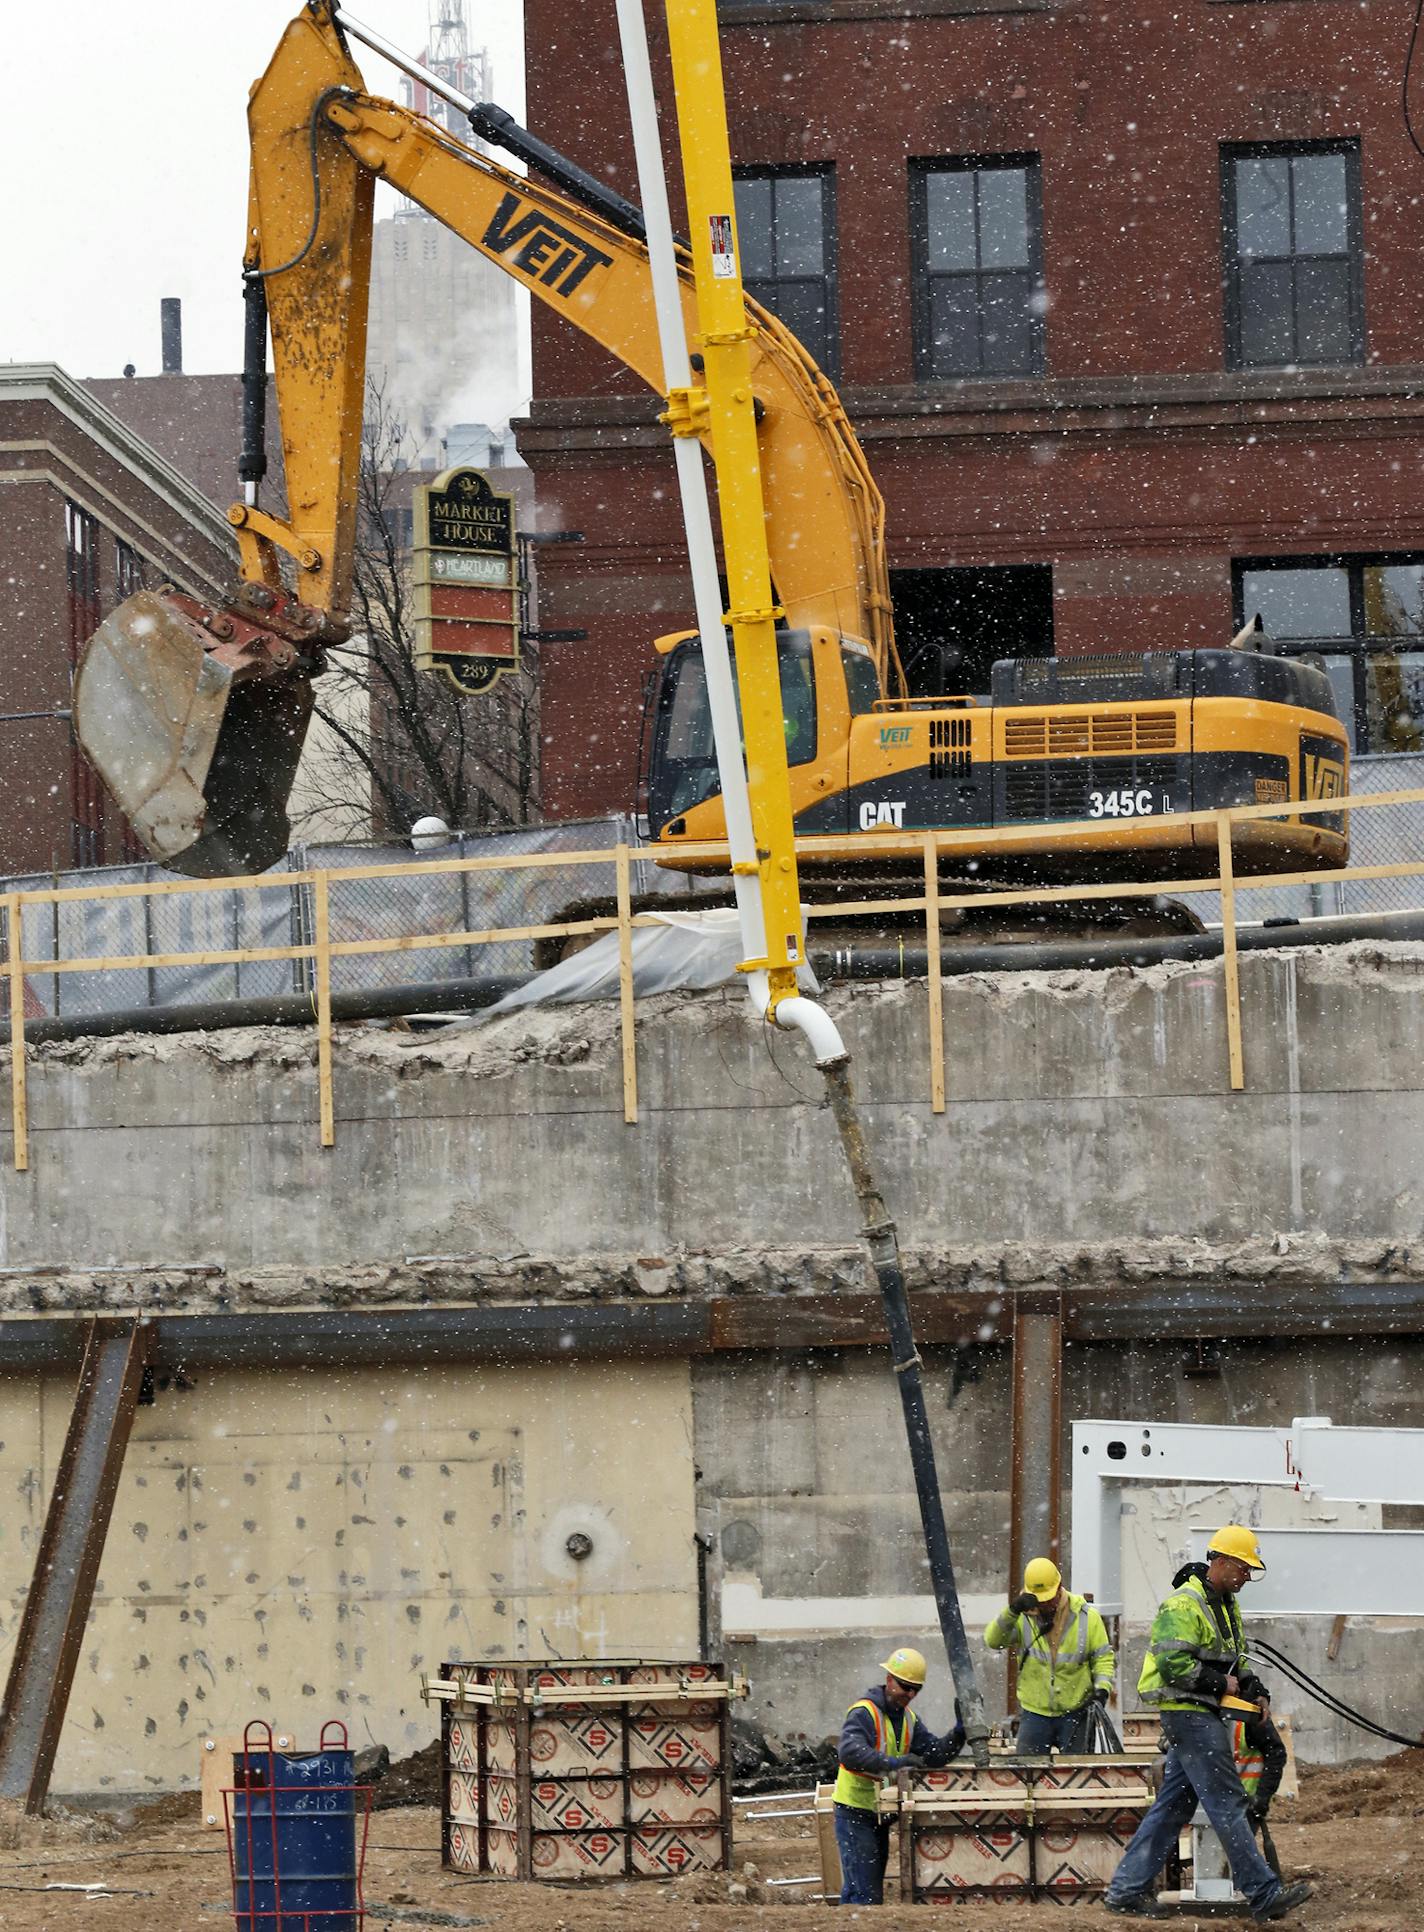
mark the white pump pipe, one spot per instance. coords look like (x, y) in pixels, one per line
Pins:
(691, 479)
(802, 1013)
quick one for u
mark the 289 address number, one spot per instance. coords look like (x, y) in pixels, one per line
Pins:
(1126, 803)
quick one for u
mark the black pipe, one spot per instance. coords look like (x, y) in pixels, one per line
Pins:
(882, 1241)
(501, 130)
(170, 325)
(252, 463)
(279, 1009)
(886, 961)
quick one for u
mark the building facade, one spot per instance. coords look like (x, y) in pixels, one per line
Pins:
(1122, 301)
(89, 513)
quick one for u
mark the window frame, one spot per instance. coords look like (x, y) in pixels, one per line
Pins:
(1359, 646)
(829, 359)
(922, 277)
(1230, 153)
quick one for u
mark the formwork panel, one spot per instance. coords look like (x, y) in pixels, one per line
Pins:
(585, 1769)
(969, 1854)
(660, 1853)
(1050, 1829)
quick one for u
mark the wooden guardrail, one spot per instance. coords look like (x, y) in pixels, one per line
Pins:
(933, 848)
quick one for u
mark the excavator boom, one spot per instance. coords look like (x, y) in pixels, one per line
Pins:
(195, 717)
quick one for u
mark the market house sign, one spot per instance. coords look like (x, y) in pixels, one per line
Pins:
(464, 580)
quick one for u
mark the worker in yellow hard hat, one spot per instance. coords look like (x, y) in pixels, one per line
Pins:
(1196, 1668)
(1065, 1660)
(881, 1735)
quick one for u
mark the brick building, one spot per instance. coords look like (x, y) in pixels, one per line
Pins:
(88, 513)
(1124, 303)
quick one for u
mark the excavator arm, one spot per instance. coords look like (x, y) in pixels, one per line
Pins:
(195, 718)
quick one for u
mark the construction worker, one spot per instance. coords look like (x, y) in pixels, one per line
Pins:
(1065, 1660)
(1196, 1656)
(880, 1735)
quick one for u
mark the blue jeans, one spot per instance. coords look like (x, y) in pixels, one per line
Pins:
(863, 1841)
(1200, 1767)
(1040, 1735)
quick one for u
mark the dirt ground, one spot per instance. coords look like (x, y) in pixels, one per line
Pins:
(1355, 1831)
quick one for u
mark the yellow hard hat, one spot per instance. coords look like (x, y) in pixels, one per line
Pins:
(1235, 1540)
(1044, 1578)
(906, 1664)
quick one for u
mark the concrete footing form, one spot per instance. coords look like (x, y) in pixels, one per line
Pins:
(501, 1375)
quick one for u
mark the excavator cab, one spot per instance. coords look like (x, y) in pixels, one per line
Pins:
(681, 768)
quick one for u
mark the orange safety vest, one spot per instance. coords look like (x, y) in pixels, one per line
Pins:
(862, 1788)
(1250, 1760)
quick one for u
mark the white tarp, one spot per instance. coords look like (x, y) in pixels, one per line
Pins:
(681, 951)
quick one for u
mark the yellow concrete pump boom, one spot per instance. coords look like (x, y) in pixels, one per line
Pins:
(195, 717)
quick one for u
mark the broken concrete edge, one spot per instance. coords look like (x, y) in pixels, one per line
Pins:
(977, 1275)
(573, 1033)
(527, 1307)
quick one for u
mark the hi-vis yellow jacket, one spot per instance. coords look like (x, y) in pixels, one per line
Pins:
(1052, 1681)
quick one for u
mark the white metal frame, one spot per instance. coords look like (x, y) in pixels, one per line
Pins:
(1385, 1570)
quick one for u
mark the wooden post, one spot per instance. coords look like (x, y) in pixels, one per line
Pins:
(1035, 1445)
(625, 986)
(1228, 943)
(905, 1833)
(523, 1778)
(932, 970)
(322, 914)
(19, 1096)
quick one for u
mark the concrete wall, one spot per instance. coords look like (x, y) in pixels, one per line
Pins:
(300, 1547)
(1083, 1108)
(1090, 1156)
(803, 1487)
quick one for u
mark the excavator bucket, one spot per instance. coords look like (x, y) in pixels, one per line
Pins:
(198, 753)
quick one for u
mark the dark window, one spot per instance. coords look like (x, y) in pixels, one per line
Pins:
(953, 626)
(128, 570)
(1363, 618)
(786, 228)
(1294, 286)
(976, 239)
(684, 768)
(81, 564)
(862, 679)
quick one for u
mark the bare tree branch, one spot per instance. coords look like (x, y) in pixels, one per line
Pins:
(399, 743)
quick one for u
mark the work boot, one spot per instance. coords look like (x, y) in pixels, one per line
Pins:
(1284, 1902)
(1136, 1905)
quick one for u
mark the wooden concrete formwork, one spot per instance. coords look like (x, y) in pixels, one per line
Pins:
(1020, 1829)
(585, 1770)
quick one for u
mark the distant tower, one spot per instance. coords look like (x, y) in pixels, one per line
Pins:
(443, 339)
(449, 55)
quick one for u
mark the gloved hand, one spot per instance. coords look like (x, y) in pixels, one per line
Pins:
(911, 1761)
(1256, 1810)
(1101, 1694)
(1024, 1604)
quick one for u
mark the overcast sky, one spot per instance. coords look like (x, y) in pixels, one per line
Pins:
(125, 146)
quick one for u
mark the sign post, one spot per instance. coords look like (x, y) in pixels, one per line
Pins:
(465, 580)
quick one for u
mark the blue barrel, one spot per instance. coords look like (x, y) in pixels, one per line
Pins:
(294, 1840)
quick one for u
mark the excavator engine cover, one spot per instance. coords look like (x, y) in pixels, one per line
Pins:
(195, 730)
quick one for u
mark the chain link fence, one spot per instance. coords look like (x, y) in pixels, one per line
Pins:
(281, 913)
(1394, 835)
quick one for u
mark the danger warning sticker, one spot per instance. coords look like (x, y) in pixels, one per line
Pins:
(724, 260)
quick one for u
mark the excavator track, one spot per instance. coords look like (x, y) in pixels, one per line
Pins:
(980, 925)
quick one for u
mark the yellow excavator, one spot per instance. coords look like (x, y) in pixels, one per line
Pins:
(195, 716)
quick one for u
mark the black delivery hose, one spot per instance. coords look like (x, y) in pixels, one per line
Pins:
(1305, 1682)
(883, 1242)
